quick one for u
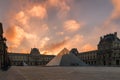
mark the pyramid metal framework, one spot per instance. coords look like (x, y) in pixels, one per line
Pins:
(64, 58)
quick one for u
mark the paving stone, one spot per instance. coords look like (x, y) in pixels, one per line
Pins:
(61, 73)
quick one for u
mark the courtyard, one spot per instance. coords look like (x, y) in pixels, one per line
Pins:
(61, 73)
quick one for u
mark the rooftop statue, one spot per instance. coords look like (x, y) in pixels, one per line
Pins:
(1, 29)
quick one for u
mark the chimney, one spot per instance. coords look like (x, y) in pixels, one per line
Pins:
(1, 29)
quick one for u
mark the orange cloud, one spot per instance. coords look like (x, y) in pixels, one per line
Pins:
(21, 17)
(116, 11)
(74, 42)
(15, 35)
(87, 47)
(64, 9)
(53, 2)
(54, 48)
(77, 39)
(62, 5)
(60, 33)
(25, 30)
(10, 33)
(38, 11)
(43, 42)
(34, 33)
(72, 25)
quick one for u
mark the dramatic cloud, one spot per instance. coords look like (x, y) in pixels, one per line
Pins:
(54, 48)
(21, 17)
(116, 11)
(72, 25)
(52, 25)
(68, 42)
(60, 33)
(28, 24)
(114, 18)
(87, 47)
(62, 6)
(38, 11)
(111, 24)
(16, 35)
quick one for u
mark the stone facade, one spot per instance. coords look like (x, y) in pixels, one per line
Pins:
(4, 59)
(32, 59)
(109, 50)
(108, 53)
(89, 57)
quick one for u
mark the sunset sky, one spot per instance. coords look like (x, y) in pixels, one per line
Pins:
(51, 25)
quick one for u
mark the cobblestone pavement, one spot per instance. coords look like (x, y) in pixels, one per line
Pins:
(61, 73)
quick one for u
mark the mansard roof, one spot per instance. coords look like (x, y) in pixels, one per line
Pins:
(109, 38)
(34, 51)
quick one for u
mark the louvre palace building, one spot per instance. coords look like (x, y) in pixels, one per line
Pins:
(34, 58)
(107, 54)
